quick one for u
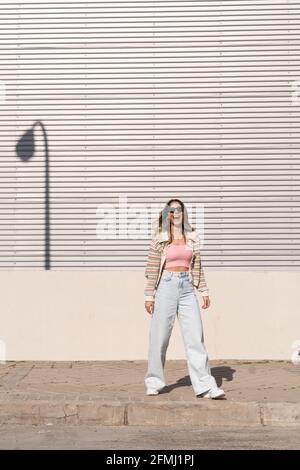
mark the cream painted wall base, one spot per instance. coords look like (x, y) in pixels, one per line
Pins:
(97, 315)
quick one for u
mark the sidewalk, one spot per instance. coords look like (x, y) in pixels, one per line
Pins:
(113, 393)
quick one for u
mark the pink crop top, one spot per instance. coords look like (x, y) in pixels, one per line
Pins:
(178, 255)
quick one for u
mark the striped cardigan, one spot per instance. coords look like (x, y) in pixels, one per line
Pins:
(156, 260)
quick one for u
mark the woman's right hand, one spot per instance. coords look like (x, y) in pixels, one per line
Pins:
(149, 305)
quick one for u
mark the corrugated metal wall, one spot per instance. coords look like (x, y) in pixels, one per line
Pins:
(149, 99)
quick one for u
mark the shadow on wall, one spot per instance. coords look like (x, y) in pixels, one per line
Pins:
(25, 149)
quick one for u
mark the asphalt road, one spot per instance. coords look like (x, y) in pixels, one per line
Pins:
(140, 437)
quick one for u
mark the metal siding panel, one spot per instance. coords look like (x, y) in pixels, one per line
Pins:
(151, 99)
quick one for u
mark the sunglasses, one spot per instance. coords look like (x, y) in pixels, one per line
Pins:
(174, 210)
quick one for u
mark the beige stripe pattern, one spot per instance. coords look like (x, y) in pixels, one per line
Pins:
(152, 269)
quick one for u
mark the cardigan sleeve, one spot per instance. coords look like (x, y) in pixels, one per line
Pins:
(198, 273)
(152, 270)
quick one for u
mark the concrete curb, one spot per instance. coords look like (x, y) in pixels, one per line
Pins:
(160, 413)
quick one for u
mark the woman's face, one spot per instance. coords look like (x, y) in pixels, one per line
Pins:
(176, 217)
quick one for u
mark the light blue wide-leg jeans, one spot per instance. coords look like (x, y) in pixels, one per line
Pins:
(175, 295)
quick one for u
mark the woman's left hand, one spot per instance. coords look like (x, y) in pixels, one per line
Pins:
(206, 301)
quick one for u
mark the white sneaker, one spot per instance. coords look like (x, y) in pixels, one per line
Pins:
(151, 391)
(214, 393)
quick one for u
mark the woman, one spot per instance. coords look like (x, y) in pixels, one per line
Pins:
(172, 272)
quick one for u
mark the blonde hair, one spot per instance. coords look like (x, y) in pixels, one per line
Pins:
(163, 223)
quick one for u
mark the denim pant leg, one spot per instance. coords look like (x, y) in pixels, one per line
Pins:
(189, 316)
(162, 321)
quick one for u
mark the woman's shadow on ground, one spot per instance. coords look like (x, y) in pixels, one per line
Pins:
(220, 373)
